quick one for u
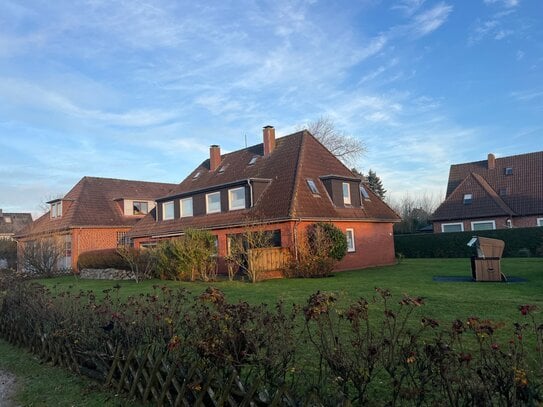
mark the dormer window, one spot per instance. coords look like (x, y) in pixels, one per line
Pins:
(312, 187)
(56, 209)
(346, 193)
(364, 193)
(508, 170)
(253, 160)
(213, 202)
(140, 208)
(167, 210)
(7, 219)
(468, 198)
(236, 198)
(186, 207)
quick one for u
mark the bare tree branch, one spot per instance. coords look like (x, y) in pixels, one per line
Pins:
(345, 147)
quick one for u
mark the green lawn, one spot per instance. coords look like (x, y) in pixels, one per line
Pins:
(445, 301)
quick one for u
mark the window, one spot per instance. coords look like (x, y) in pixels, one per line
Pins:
(349, 233)
(483, 225)
(539, 221)
(196, 175)
(346, 193)
(213, 202)
(468, 198)
(503, 191)
(223, 168)
(56, 209)
(122, 239)
(253, 160)
(236, 198)
(186, 207)
(364, 193)
(452, 227)
(167, 210)
(508, 170)
(509, 223)
(312, 186)
(7, 219)
(140, 208)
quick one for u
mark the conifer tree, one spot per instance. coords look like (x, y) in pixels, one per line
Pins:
(376, 185)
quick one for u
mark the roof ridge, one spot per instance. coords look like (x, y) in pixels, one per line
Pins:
(486, 186)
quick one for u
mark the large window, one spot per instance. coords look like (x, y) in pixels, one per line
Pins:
(236, 198)
(349, 233)
(140, 208)
(167, 210)
(186, 207)
(346, 193)
(452, 227)
(213, 202)
(483, 225)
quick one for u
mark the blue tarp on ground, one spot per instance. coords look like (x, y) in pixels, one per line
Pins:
(468, 279)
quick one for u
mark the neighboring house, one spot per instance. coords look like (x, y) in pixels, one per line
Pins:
(11, 223)
(496, 193)
(283, 186)
(95, 214)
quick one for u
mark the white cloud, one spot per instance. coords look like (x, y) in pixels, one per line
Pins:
(505, 3)
(430, 20)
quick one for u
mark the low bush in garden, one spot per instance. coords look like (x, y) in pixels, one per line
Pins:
(379, 350)
(8, 253)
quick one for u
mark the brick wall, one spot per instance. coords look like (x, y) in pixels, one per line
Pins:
(501, 222)
(84, 240)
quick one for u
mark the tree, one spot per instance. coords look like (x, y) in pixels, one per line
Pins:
(8, 253)
(376, 185)
(345, 147)
(41, 256)
(415, 212)
(140, 261)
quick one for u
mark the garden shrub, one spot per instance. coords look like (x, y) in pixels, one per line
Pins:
(382, 349)
(102, 259)
(8, 252)
(519, 242)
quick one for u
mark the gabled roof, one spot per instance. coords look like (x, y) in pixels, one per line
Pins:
(93, 202)
(523, 188)
(11, 223)
(295, 158)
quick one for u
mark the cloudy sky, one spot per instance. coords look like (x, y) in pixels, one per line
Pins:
(140, 89)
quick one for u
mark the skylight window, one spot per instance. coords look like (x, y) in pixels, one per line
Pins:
(364, 193)
(197, 175)
(508, 170)
(468, 198)
(503, 191)
(253, 160)
(312, 186)
(223, 168)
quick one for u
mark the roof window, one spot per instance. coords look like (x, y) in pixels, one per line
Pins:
(468, 198)
(364, 193)
(312, 186)
(503, 191)
(508, 170)
(223, 168)
(253, 160)
(197, 175)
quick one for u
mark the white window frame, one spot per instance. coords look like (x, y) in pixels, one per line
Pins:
(164, 205)
(207, 202)
(56, 210)
(539, 222)
(467, 199)
(483, 221)
(452, 224)
(346, 198)
(140, 202)
(231, 192)
(182, 212)
(312, 186)
(351, 248)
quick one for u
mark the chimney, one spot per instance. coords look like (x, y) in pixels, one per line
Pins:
(269, 140)
(214, 157)
(491, 161)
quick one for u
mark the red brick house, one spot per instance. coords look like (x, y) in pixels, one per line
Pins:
(11, 223)
(283, 185)
(95, 214)
(496, 193)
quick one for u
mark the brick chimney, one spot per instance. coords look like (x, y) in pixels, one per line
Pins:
(491, 161)
(214, 157)
(269, 139)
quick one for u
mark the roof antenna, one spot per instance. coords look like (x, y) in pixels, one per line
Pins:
(245, 135)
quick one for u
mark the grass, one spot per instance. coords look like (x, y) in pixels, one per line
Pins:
(44, 385)
(445, 301)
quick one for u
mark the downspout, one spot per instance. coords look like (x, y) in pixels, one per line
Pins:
(250, 193)
(295, 234)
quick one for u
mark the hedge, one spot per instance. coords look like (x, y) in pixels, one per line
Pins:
(521, 242)
(102, 259)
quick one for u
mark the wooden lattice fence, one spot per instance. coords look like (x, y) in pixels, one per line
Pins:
(147, 374)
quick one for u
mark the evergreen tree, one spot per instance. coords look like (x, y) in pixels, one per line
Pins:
(376, 184)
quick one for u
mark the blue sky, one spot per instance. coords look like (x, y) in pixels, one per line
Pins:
(140, 89)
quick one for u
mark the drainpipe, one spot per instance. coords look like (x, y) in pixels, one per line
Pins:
(250, 193)
(295, 234)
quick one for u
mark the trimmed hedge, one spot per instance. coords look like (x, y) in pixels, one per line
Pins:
(521, 242)
(102, 259)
